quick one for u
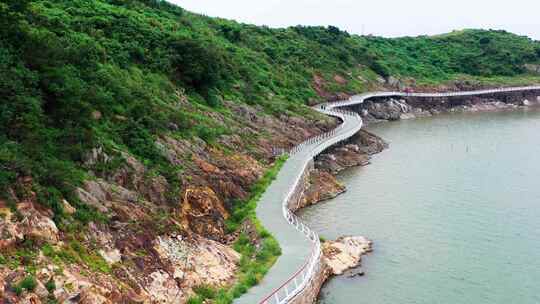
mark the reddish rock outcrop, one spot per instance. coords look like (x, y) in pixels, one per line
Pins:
(322, 186)
(203, 212)
(29, 221)
(354, 152)
(149, 239)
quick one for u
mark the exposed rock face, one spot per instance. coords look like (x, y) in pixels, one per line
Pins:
(147, 268)
(31, 222)
(320, 86)
(355, 152)
(369, 143)
(394, 83)
(203, 212)
(535, 68)
(206, 263)
(384, 111)
(411, 107)
(323, 186)
(341, 158)
(37, 225)
(345, 253)
(158, 238)
(340, 256)
(73, 287)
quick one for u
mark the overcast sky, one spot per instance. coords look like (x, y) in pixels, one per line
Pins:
(388, 18)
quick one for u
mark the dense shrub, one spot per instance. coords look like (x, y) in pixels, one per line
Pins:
(198, 64)
(473, 52)
(79, 74)
(29, 283)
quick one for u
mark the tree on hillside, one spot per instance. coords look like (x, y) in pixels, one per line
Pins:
(198, 64)
(11, 12)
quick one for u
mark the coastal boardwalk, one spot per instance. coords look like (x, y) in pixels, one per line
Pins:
(301, 253)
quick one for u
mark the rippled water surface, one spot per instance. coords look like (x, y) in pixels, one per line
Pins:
(453, 208)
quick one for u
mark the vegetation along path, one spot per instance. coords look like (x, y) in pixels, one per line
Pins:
(301, 250)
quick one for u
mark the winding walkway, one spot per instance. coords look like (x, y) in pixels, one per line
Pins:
(301, 248)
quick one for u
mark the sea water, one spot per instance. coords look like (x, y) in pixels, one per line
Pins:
(453, 208)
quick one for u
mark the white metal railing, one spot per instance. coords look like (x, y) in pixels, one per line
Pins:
(310, 148)
(352, 123)
(360, 98)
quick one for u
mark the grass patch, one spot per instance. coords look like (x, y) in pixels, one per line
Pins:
(29, 283)
(25, 256)
(50, 285)
(76, 253)
(243, 210)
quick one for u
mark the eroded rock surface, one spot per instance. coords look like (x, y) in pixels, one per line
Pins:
(391, 109)
(355, 152)
(148, 238)
(346, 253)
(323, 186)
(28, 221)
(203, 212)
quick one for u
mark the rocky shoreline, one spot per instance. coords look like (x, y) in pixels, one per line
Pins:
(346, 253)
(155, 247)
(357, 150)
(410, 108)
(343, 256)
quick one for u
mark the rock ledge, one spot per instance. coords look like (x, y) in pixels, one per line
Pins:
(346, 253)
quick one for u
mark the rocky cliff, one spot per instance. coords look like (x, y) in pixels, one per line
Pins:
(152, 241)
(391, 109)
(149, 244)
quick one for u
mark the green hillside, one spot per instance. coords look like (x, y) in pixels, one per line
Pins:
(169, 119)
(79, 74)
(472, 52)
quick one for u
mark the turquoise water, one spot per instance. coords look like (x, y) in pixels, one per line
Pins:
(453, 208)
